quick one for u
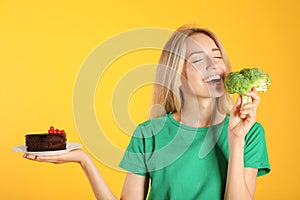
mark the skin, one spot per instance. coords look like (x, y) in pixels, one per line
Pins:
(203, 60)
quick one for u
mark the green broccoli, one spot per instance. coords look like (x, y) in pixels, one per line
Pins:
(242, 82)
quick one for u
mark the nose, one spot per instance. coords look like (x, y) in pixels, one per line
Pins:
(210, 63)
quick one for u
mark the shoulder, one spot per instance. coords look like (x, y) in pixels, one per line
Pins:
(255, 151)
(151, 127)
(257, 128)
(256, 133)
(154, 121)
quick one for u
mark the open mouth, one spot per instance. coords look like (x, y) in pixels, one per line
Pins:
(213, 79)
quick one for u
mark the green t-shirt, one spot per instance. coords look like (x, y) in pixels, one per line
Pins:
(189, 163)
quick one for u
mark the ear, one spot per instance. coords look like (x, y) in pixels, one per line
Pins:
(183, 73)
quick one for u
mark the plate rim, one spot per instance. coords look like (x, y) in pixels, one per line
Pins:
(70, 146)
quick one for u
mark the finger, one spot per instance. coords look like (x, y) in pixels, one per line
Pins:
(51, 159)
(251, 117)
(253, 94)
(251, 105)
(255, 101)
(30, 157)
(236, 108)
(40, 158)
(246, 113)
(249, 121)
(243, 114)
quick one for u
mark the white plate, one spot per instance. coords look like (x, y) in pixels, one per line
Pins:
(70, 146)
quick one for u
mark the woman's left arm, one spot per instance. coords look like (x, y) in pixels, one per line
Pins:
(241, 181)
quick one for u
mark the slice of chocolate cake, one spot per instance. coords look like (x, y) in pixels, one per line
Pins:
(51, 141)
(45, 142)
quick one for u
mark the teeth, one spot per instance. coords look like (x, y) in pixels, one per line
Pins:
(214, 77)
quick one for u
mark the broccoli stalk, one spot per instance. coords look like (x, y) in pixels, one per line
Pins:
(246, 99)
(242, 82)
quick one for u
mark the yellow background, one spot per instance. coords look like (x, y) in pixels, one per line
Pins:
(44, 43)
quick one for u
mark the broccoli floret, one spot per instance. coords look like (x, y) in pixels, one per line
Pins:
(242, 82)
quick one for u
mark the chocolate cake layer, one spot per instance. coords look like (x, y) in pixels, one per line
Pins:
(45, 142)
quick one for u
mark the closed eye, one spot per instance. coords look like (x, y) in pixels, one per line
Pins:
(219, 57)
(195, 61)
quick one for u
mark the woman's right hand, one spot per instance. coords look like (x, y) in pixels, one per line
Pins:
(77, 155)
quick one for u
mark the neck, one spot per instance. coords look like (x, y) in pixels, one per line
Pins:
(200, 112)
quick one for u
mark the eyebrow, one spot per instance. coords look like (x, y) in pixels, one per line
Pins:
(196, 52)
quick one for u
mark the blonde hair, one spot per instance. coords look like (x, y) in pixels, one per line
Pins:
(166, 92)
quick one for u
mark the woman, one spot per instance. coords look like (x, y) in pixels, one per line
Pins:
(191, 148)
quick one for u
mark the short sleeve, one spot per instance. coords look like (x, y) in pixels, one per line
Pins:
(134, 157)
(255, 151)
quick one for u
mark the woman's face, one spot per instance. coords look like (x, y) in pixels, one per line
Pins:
(204, 68)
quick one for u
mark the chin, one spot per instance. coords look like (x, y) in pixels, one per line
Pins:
(211, 94)
(216, 92)
(215, 95)
(208, 92)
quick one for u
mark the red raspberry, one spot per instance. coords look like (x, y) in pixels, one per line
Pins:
(57, 131)
(62, 131)
(51, 127)
(50, 131)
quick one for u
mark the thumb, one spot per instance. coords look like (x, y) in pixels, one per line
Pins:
(237, 105)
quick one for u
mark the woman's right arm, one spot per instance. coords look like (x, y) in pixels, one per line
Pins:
(135, 186)
(100, 189)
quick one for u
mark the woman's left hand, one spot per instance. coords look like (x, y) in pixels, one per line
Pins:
(242, 119)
